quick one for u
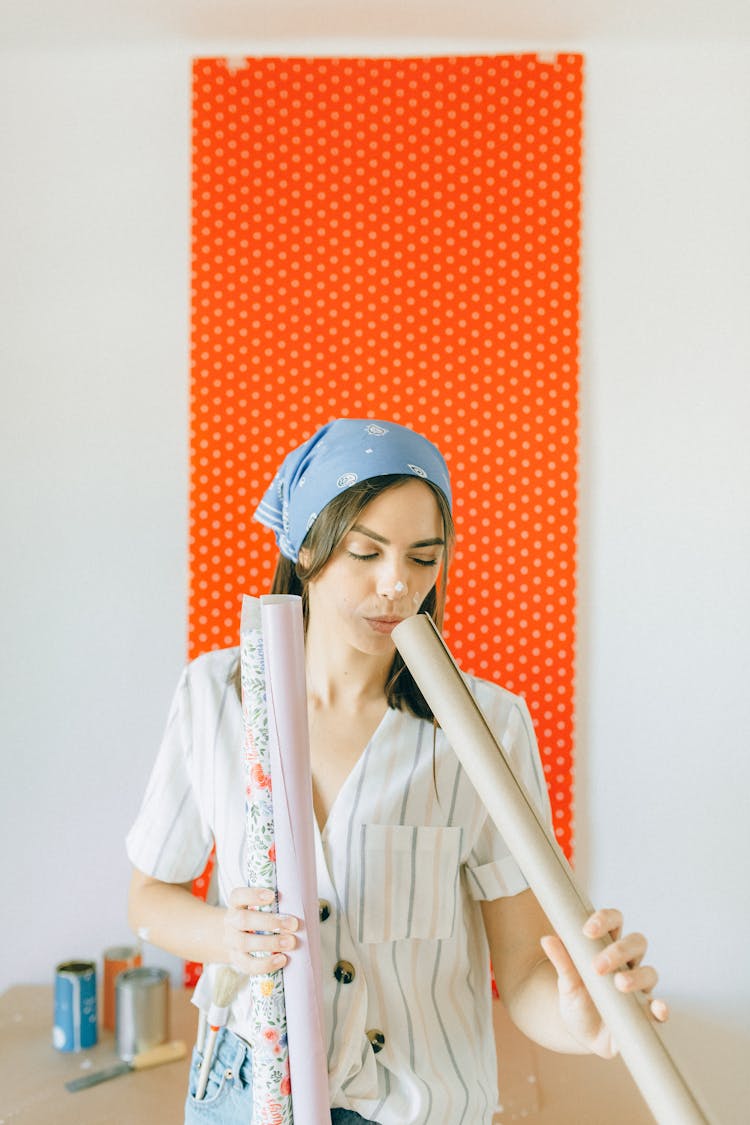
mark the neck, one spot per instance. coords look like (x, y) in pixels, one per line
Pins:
(343, 678)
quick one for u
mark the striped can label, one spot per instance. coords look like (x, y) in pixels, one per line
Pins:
(75, 1006)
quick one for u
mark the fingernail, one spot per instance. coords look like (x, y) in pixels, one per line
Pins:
(287, 942)
(266, 896)
(288, 922)
(591, 929)
(278, 960)
(601, 963)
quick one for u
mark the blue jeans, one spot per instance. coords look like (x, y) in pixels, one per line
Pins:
(228, 1099)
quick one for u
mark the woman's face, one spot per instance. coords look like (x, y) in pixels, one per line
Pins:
(381, 571)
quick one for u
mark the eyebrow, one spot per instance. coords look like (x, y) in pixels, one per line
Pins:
(381, 538)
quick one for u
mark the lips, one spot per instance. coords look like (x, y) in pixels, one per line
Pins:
(383, 624)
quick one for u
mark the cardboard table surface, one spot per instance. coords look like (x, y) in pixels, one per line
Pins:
(33, 1074)
(536, 1086)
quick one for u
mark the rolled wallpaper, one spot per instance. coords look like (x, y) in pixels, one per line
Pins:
(296, 878)
(290, 1079)
(545, 867)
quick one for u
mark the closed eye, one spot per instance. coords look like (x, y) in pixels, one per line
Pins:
(374, 555)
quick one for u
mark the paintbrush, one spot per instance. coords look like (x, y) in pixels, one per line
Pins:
(154, 1056)
(227, 984)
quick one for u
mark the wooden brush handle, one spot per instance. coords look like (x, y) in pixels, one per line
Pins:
(155, 1056)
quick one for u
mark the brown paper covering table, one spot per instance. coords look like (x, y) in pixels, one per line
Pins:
(33, 1074)
(536, 1086)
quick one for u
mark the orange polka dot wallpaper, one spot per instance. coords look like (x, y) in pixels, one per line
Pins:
(398, 239)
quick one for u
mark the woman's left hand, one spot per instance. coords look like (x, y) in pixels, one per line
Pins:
(623, 958)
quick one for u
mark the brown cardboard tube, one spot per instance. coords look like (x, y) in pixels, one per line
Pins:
(545, 867)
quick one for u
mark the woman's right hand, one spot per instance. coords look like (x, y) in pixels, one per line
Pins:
(244, 923)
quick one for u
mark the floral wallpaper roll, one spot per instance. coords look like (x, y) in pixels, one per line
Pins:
(272, 1104)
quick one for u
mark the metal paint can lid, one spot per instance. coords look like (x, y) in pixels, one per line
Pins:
(75, 968)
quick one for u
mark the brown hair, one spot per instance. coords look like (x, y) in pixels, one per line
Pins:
(334, 522)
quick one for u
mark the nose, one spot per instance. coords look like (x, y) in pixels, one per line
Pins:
(392, 585)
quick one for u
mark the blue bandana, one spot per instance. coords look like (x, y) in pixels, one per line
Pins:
(332, 460)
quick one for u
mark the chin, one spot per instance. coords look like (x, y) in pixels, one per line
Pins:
(374, 644)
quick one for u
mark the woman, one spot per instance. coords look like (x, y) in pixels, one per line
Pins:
(417, 887)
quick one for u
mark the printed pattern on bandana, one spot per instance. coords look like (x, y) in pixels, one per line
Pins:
(311, 475)
(397, 239)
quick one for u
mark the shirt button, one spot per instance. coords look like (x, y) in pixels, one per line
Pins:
(377, 1040)
(344, 972)
(324, 909)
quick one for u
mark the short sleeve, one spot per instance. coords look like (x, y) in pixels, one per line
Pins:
(170, 839)
(492, 872)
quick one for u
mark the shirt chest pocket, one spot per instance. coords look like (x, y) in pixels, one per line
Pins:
(408, 881)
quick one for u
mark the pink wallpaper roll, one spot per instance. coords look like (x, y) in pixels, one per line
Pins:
(291, 776)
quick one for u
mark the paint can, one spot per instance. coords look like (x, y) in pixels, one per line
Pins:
(141, 1010)
(116, 960)
(75, 1006)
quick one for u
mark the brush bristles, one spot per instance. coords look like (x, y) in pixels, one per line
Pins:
(226, 986)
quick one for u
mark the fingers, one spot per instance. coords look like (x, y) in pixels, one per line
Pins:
(556, 952)
(245, 911)
(258, 940)
(643, 979)
(255, 953)
(624, 959)
(251, 897)
(568, 978)
(628, 952)
(256, 921)
(259, 953)
(604, 922)
(659, 1010)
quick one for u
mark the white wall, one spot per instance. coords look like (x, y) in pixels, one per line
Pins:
(664, 707)
(94, 299)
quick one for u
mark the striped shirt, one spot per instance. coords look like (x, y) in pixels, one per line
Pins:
(405, 857)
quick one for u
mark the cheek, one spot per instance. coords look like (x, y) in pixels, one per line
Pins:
(346, 602)
(425, 587)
